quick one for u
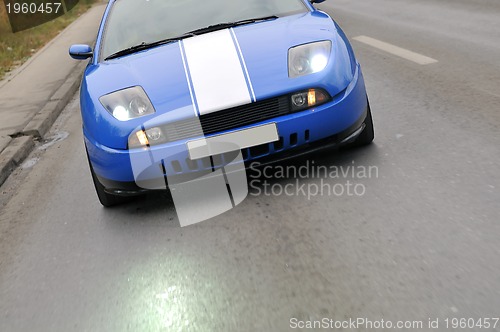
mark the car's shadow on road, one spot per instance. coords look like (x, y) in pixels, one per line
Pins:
(309, 168)
(312, 166)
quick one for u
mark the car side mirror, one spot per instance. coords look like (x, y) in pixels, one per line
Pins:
(317, 1)
(80, 52)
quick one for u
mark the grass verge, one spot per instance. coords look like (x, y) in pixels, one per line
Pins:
(16, 48)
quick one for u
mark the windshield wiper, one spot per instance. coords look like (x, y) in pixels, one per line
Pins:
(210, 28)
(145, 46)
(221, 26)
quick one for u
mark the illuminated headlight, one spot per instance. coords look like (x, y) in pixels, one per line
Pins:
(309, 98)
(309, 58)
(128, 103)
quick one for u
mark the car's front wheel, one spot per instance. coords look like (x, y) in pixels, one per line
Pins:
(368, 134)
(105, 198)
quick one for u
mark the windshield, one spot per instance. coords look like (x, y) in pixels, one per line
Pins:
(132, 22)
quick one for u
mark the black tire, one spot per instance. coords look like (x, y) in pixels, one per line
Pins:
(105, 199)
(368, 134)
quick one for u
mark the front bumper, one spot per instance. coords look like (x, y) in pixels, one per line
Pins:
(330, 124)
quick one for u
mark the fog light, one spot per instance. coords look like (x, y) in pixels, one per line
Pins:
(299, 99)
(147, 138)
(154, 134)
(309, 98)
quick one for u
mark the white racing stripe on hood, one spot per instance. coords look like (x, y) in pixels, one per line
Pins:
(216, 72)
(242, 59)
(188, 78)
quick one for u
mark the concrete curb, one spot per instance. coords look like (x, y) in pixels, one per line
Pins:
(20, 147)
(40, 124)
(13, 155)
(15, 146)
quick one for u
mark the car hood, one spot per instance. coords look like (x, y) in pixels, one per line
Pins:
(222, 69)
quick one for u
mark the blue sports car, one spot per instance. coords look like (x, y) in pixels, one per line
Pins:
(174, 87)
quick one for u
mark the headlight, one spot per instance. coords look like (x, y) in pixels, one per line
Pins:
(309, 58)
(128, 103)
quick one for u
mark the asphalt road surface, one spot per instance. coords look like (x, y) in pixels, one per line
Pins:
(421, 242)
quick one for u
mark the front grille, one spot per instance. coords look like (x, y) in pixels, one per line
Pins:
(244, 115)
(228, 119)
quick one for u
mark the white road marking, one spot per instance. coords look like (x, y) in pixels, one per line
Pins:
(395, 50)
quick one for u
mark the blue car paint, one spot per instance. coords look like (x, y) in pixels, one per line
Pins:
(265, 49)
(322, 121)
